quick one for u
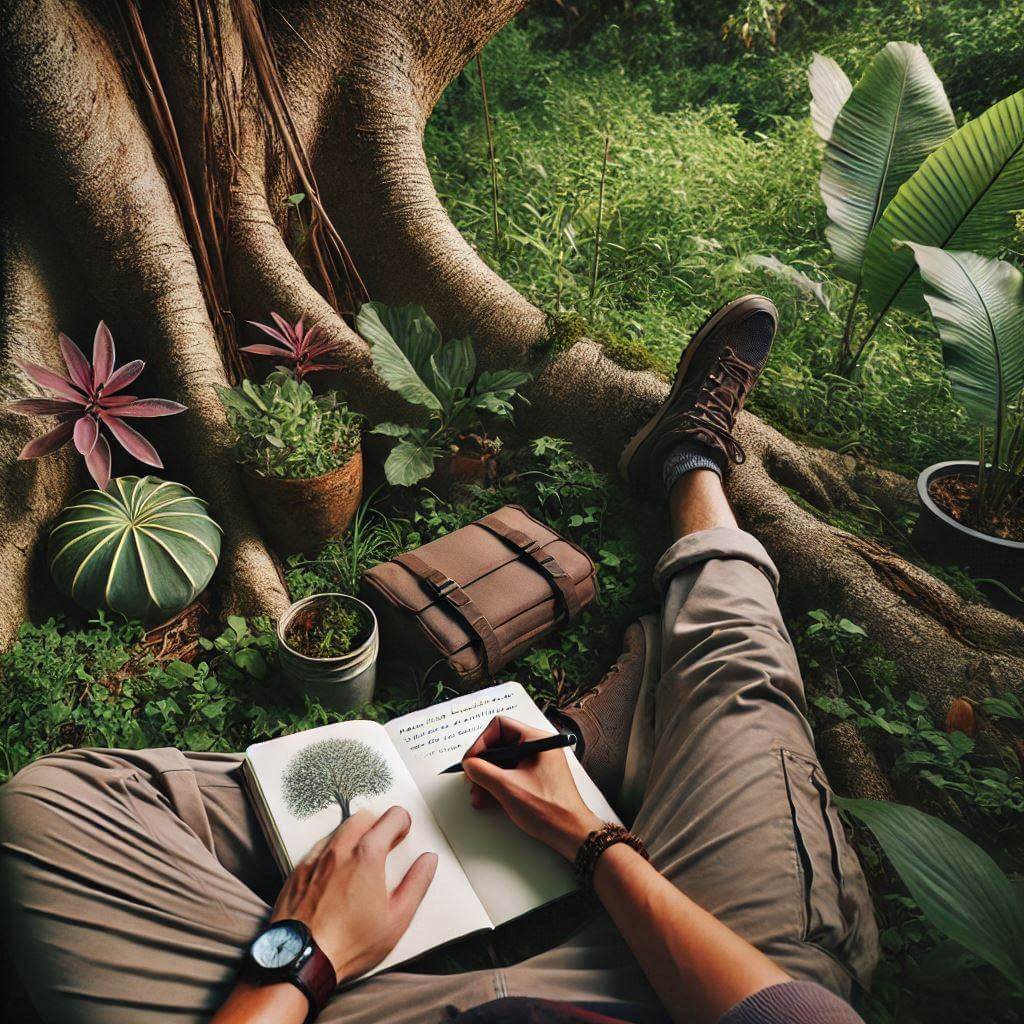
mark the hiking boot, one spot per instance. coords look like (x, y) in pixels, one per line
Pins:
(716, 372)
(602, 718)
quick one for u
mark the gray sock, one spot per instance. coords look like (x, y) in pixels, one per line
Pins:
(685, 458)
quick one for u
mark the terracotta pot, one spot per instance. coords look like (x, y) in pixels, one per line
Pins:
(302, 515)
(472, 462)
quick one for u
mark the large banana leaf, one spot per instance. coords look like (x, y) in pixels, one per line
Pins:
(958, 886)
(896, 115)
(978, 308)
(830, 89)
(963, 197)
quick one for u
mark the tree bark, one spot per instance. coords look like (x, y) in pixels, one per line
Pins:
(100, 198)
(345, 805)
(98, 233)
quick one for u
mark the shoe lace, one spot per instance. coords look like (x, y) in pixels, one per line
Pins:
(719, 402)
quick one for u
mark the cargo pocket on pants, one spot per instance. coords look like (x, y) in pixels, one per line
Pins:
(836, 907)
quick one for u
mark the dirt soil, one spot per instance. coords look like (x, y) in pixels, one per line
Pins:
(328, 629)
(957, 496)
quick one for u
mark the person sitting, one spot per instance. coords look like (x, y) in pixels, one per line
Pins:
(133, 882)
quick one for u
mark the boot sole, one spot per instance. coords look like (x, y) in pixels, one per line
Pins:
(748, 304)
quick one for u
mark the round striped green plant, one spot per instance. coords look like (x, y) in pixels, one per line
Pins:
(143, 548)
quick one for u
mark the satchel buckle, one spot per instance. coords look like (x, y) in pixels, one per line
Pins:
(552, 567)
(442, 587)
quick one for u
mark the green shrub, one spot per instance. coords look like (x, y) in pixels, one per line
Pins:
(440, 377)
(712, 162)
(281, 429)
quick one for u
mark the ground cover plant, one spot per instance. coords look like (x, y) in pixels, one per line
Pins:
(328, 629)
(635, 164)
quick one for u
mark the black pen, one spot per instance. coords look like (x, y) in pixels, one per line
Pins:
(509, 757)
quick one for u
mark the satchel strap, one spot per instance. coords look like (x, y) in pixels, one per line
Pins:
(447, 590)
(541, 558)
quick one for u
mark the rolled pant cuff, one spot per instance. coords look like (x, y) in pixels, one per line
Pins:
(705, 545)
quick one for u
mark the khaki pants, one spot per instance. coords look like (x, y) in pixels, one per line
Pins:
(132, 881)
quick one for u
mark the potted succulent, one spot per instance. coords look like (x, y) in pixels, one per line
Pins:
(972, 512)
(143, 548)
(138, 547)
(439, 376)
(328, 644)
(299, 452)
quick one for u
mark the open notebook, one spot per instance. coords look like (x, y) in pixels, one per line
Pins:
(488, 871)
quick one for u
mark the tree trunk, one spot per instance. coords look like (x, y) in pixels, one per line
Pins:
(103, 225)
(345, 804)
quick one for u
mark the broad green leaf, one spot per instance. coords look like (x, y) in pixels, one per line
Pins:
(958, 886)
(963, 197)
(896, 115)
(231, 399)
(977, 305)
(390, 360)
(830, 89)
(408, 326)
(501, 380)
(1008, 706)
(494, 403)
(251, 661)
(455, 364)
(251, 393)
(392, 429)
(409, 463)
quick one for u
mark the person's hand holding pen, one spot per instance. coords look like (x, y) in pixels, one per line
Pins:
(539, 794)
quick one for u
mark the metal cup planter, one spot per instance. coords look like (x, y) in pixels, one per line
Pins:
(341, 683)
(939, 536)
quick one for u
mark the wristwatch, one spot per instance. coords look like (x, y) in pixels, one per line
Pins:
(287, 951)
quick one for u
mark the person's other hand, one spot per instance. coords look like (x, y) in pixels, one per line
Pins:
(539, 794)
(339, 891)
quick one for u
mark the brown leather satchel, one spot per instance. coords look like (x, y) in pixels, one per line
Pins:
(480, 596)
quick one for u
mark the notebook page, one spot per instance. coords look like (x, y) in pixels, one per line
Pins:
(511, 873)
(297, 777)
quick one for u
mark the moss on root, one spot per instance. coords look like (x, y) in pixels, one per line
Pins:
(565, 329)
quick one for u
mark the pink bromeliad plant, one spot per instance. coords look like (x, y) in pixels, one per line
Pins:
(90, 396)
(304, 350)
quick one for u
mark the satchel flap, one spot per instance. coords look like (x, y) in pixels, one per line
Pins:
(500, 582)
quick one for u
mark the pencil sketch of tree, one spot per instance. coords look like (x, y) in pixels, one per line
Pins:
(333, 771)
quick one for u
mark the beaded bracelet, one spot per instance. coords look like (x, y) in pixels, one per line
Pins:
(596, 843)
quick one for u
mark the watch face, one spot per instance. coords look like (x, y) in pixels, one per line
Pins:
(279, 946)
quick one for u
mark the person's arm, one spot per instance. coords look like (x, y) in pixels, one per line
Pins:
(699, 967)
(340, 893)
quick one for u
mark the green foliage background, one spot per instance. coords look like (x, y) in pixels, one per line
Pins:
(713, 163)
(712, 174)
